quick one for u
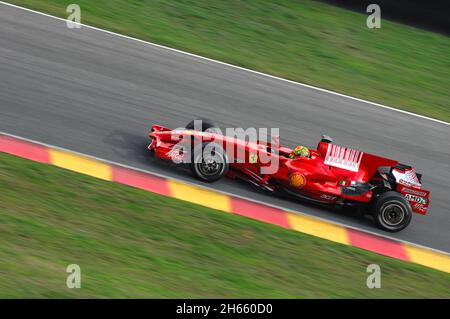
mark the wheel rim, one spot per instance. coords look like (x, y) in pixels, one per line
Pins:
(393, 215)
(210, 165)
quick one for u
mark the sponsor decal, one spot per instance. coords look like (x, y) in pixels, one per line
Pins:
(297, 180)
(420, 208)
(344, 183)
(252, 158)
(328, 197)
(343, 157)
(175, 155)
(406, 183)
(413, 191)
(417, 199)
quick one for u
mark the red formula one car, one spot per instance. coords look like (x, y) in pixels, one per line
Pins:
(331, 174)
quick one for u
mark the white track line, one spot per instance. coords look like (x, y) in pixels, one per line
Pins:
(221, 192)
(233, 66)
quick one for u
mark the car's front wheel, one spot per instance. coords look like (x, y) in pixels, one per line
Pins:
(392, 212)
(209, 162)
(203, 125)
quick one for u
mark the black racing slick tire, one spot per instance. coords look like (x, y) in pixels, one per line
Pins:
(209, 162)
(202, 125)
(392, 212)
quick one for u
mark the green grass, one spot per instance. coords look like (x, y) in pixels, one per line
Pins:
(131, 243)
(306, 41)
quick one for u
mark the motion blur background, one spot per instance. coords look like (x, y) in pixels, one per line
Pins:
(97, 93)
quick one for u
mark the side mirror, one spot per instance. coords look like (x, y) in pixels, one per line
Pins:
(326, 139)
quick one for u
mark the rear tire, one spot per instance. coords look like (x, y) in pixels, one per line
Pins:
(209, 162)
(392, 212)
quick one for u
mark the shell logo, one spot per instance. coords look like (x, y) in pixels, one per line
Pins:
(253, 158)
(297, 180)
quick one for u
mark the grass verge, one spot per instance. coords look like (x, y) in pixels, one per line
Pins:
(306, 41)
(131, 243)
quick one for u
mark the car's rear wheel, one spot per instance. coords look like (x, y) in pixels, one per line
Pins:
(209, 162)
(392, 212)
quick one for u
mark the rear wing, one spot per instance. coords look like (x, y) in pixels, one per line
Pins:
(406, 175)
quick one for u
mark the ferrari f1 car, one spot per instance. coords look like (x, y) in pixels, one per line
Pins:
(329, 175)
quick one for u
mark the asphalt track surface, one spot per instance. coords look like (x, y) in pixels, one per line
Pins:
(97, 93)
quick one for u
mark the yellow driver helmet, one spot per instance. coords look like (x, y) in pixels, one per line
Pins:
(300, 151)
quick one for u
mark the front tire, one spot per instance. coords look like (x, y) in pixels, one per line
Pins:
(392, 212)
(202, 125)
(209, 162)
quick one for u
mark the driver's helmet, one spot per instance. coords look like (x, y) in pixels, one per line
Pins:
(300, 151)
